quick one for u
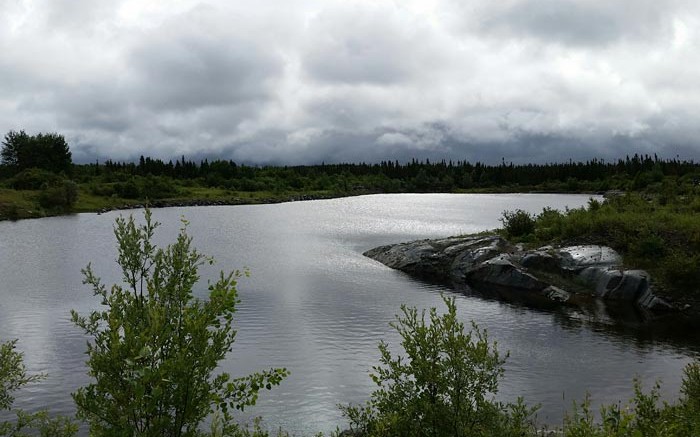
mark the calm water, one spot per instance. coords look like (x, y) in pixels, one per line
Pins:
(315, 305)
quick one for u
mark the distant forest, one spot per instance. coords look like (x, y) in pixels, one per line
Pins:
(634, 173)
(38, 178)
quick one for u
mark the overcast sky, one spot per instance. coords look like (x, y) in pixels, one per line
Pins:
(301, 81)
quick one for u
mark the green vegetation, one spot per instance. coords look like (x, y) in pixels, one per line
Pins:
(518, 223)
(38, 166)
(643, 416)
(49, 152)
(656, 232)
(443, 386)
(155, 347)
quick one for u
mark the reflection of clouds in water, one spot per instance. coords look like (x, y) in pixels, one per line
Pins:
(38, 350)
(314, 304)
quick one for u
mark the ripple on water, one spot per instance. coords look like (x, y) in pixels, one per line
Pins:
(315, 305)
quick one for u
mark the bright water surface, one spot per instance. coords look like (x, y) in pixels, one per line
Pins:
(315, 305)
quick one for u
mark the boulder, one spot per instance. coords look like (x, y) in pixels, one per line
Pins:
(472, 253)
(444, 259)
(630, 287)
(502, 272)
(600, 279)
(655, 304)
(577, 258)
(556, 294)
(540, 260)
(420, 258)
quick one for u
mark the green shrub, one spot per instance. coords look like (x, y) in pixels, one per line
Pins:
(593, 204)
(62, 196)
(518, 223)
(128, 190)
(644, 415)
(149, 187)
(444, 385)
(682, 270)
(648, 246)
(548, 224)
(691, 386)
(157, 187)
(33, 179)
(101, 189)
(155, 347)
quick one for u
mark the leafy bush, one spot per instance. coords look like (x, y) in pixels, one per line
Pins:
(156, 187)
(648, 246)
(518, 223)
(642, 416)
(155, 347)
(62, 196)
(128, 189)
(549, 224)
(33, 179)
(101, 189)
(149, 187)
(681, 269)
(442, 387)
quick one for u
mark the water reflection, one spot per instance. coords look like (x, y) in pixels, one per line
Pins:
(315, 305)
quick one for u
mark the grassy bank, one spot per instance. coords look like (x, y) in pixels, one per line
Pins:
(23, 204)
(28, 191)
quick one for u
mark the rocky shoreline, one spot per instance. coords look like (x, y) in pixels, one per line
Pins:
(578, 276)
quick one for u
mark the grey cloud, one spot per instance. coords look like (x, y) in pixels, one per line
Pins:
(331, 146)
(558, 20)
(182, 67)
(354, 80)
(102, 107)
(579, 22)
(376, 44)
(78, 16)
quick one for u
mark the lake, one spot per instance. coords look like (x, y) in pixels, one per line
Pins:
(315, 305)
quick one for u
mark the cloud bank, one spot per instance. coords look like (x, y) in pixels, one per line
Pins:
(300, 82)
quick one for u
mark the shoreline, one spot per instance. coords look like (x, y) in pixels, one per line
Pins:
(174, 203)
(124, 204)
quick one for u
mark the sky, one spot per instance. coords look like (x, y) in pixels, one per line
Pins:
(302, 81)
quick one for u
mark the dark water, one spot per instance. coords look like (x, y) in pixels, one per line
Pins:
(315, 305)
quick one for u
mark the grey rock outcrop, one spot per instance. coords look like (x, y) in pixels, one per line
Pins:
(577, 258)
(562, 275)
(502, 271)
(447, 259)
(556, 294)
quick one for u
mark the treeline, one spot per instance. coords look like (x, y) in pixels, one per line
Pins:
(636, 172)
(38, 178)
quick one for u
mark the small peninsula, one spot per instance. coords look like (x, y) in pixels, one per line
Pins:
(489, 264)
